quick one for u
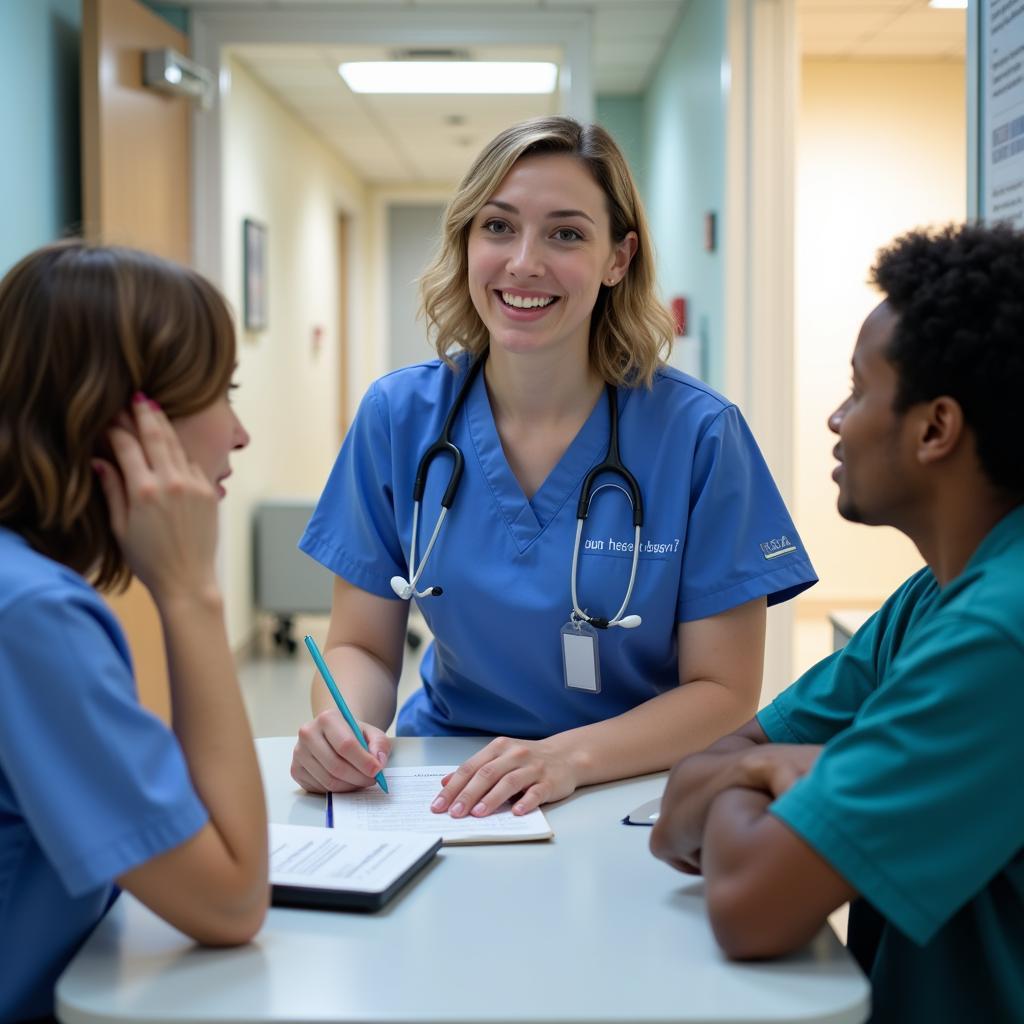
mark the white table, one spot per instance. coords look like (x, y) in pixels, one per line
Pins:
(588, 927)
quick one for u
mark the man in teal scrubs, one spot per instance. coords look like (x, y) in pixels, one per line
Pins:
(891, 773)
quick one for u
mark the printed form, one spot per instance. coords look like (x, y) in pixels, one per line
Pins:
(407, 809)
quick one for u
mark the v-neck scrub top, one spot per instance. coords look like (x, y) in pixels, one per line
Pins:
(716, 534)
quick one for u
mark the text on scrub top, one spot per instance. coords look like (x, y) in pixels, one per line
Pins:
(647, 547)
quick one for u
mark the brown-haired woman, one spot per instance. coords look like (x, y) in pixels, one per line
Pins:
(543, 308)
(115, 436)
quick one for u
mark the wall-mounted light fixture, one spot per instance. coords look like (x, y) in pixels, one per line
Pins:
(948, 5)
(168, 71)
(449, 77)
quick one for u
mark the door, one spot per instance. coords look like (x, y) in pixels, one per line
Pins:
(135, 183)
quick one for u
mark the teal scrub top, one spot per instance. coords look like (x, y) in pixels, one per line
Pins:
(916, 799)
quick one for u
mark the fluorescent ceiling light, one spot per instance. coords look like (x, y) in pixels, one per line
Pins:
(948, 5)
(466, 76)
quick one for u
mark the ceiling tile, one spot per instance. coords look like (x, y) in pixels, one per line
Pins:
(638, 53)
(622, 22)
(853, 6)
(620, 83)
(931, 24)
(884, 46)
(847, 24)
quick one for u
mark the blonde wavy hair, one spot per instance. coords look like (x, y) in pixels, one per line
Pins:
(631, 332)
(82, 328)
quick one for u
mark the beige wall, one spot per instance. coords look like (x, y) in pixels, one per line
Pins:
(277, 172)
(881, 148)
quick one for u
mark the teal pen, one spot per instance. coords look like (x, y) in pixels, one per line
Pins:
(324, 671)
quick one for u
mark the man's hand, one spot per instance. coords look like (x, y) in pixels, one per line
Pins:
(678, 834)
(773, 768)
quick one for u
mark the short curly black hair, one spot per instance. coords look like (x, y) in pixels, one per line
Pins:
(959, 294)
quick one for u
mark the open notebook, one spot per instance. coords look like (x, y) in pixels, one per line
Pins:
(407, 809)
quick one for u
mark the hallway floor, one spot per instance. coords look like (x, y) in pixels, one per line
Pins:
(275, 685)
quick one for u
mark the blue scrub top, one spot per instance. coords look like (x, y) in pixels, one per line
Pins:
(91, 784)
(716, 534)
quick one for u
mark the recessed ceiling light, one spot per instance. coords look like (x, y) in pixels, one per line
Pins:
(948, 5)
(440, 77)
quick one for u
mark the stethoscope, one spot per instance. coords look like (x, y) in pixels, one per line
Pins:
(406, 588)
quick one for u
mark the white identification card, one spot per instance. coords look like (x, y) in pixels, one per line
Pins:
(579, 657)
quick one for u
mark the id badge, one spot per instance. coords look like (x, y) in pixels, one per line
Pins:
(580, 664)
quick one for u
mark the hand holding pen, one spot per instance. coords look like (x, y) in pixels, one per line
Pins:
(336, 762)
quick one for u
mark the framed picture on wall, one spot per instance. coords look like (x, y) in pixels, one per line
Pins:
(254, 284)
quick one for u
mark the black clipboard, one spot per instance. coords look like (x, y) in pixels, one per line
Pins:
(336, 897)
(319, 898)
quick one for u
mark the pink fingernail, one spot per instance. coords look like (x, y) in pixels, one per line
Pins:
(481, 808)
(153, 404)
(438, 804)
(457, 808)
(139, 398)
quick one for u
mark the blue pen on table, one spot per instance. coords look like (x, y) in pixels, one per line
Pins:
(325, 672)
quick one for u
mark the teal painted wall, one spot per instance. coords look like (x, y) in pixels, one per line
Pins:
(40, 178)
(623, 117)
(684, 172)
(174, 14)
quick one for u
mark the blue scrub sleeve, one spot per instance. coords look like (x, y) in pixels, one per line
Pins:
(353, 530)
(918, 804)
(101, 782)
(740, 540)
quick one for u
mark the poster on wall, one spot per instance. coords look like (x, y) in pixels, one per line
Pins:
(1002, 137)
(254, 285)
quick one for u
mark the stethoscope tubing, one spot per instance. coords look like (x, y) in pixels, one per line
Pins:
(612, 464)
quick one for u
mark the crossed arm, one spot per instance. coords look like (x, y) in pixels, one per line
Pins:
(768, 891)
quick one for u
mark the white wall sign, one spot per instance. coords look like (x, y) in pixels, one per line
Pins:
(1002, 83)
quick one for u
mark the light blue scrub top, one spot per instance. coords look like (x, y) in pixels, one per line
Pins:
(716, 534)
(91, 785)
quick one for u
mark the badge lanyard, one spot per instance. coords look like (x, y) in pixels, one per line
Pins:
(581, 664)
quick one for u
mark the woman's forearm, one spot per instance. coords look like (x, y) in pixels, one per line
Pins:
(210, 721)
(369, 687)
(657, 733)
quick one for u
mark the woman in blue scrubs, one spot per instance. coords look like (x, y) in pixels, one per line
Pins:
(98, 482)
(545, 279)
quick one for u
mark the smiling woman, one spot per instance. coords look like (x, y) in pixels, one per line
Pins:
(590, 478)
